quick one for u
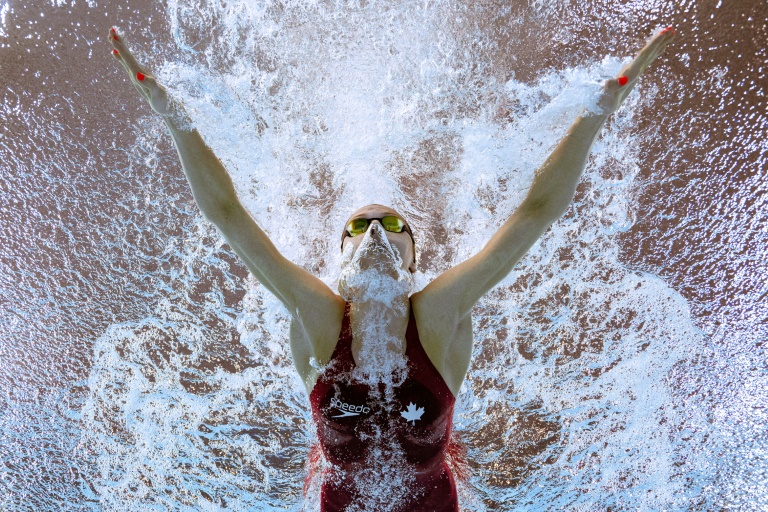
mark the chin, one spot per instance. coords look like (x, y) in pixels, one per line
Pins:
(373, 283)
(374, 270)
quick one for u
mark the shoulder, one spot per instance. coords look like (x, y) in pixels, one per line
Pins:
(321, 325)
(315, 330)
(434, 313)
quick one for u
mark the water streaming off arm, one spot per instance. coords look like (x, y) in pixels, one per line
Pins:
(595, 385)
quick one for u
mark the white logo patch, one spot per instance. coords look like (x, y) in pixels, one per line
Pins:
(348, 409)
(412, 413)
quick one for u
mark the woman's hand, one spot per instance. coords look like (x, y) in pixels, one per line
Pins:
(144, 82)
(617, 89)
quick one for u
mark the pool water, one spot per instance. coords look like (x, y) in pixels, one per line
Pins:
(620, 366)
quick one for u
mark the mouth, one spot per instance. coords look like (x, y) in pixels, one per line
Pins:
(374, 252)
(373, 270)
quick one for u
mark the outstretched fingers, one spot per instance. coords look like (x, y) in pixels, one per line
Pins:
(647, 55)
(616, 90)
(124, 53)
(145, 84)
(136, 71)
(141, 89)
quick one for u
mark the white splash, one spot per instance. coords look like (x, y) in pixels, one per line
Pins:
(374, 282)
(4, 10)
(395, 115)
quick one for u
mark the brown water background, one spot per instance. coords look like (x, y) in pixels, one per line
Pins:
(99, 228)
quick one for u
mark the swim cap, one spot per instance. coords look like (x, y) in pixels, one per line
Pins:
(373, 211)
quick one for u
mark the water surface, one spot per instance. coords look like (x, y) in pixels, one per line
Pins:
(620, 366)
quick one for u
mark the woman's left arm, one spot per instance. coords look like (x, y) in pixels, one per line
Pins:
(555, 183)
(456, 291)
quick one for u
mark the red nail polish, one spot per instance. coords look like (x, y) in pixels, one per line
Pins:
(140, 76)
(115, 52)
(623, 81)
(114, 34)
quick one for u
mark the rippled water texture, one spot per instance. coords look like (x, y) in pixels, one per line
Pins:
(621, 366)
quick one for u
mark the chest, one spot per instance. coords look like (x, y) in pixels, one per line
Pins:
(412, 407)
(449, 351)
(412, 419)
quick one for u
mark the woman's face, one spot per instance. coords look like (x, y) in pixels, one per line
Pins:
(402, 241)
(373, 270)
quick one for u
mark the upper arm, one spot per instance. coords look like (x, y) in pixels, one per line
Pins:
(457, 290)
(307, 298)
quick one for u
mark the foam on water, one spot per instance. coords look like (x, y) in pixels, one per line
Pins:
(373, 280)
(318, 108)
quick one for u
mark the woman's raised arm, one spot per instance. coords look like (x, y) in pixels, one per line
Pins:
(457, 290)
(212, 187)
(215, 195)
(555, 183)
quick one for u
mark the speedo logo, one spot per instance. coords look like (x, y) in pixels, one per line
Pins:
(348, 409)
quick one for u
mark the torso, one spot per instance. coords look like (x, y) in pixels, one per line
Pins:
(449, 348)
(366, 430)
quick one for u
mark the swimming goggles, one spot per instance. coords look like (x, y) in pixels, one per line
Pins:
(390, 223)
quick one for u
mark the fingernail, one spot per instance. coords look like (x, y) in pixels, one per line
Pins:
(668, 29)
(115, 52)
(114, 34)
(140, 76)
(623, 81)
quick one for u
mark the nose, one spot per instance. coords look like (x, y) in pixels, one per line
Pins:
(377, 234)
(376, 228)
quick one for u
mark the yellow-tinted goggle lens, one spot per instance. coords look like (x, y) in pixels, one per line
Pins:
(357, 227)
(390, 223)
(393, 224)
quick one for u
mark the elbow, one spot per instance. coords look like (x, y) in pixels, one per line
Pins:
(544, 208)
(222, 213)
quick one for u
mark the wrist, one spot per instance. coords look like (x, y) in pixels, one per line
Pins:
(176, 118)
(597, 113)
(596, 116)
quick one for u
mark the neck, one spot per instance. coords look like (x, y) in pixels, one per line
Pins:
(377, 322)
(378, 341)
(377, 287)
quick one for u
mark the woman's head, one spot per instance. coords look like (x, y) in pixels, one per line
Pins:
(354, 232)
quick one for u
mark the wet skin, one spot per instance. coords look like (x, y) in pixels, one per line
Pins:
(443, 308)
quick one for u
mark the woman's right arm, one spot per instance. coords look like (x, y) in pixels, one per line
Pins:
(211, 186)
(306, 297)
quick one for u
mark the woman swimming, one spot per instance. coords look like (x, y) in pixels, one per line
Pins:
(382, 367)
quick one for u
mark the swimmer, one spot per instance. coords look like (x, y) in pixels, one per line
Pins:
(382, 367)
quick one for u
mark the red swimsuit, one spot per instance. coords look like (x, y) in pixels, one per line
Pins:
(353, 429)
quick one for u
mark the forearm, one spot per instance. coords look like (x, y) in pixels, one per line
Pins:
(555, 182)
(211, 185)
